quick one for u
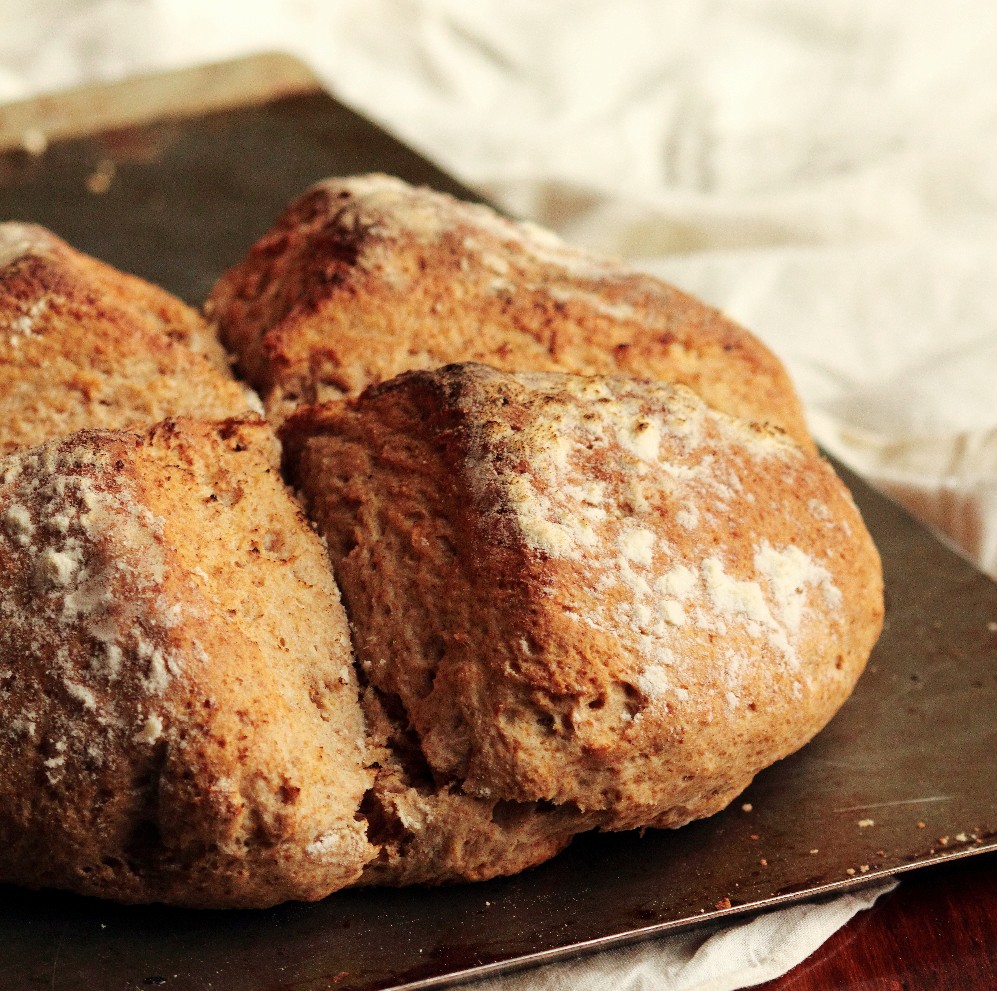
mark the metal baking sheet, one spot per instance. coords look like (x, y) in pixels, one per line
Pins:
(196, 166)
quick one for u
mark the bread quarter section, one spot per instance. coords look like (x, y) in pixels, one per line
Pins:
(180, 713)
(589, 591)
(84, 345)
(366, 277)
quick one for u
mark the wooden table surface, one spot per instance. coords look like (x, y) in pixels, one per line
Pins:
(936, 932)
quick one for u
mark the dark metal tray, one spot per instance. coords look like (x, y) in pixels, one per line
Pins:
(904, 776)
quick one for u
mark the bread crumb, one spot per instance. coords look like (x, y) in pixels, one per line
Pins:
(653, 682)
(747, 807)
(58, 567)
(866, 823)
(678, 583)
(158, 679)
(34, 142)
(643, 439)
(637, 544)
(99, 181)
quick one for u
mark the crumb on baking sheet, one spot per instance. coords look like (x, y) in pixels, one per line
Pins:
(34, 142)
(99, 181)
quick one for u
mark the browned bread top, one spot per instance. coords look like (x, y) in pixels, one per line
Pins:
(366, 277)
(83, 345)
(181, 712)
(589, 591)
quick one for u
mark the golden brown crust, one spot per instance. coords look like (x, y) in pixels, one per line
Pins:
(364, 278)
(589, 591)
(83, 345)
(180, 712)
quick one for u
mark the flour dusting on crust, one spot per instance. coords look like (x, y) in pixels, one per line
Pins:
(639, 489)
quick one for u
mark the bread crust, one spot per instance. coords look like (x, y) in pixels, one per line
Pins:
(180, 719)
(84, 345)
(364, 278)
(591, 592)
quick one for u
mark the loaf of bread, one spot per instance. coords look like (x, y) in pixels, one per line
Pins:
(589, 592)
(599, 582)
(367, 277)
(84, 345)
(180, 712)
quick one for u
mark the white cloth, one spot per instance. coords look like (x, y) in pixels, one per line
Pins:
(738, 956)
(826, 172)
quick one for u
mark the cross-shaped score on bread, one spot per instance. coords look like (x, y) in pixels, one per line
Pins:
(527, 544)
